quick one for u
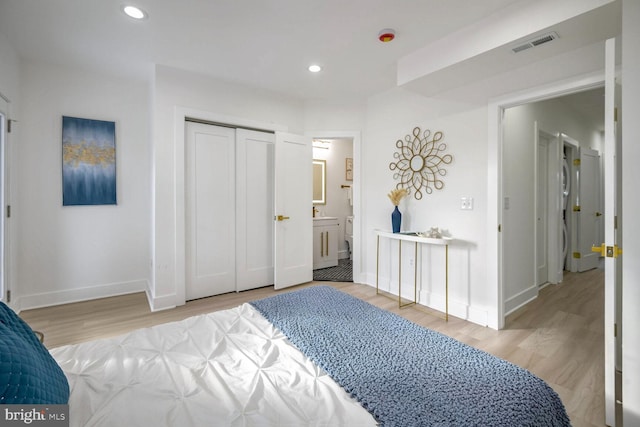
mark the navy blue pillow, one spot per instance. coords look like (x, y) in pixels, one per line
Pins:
(28, 373)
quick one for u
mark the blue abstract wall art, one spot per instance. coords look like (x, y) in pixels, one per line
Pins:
(88, 162)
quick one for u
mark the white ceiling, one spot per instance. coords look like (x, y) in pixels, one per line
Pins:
(497, 70)
(261, 43)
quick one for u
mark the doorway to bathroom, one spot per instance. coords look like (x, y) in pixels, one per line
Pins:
(336, 222)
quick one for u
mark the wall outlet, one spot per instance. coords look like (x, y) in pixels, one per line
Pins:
(466, 203)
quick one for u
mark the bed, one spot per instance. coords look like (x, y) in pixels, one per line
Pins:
(315, 357)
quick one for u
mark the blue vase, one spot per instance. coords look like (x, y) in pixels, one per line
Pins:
(396, 219)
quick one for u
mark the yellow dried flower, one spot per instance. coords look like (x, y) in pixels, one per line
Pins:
(396, 195)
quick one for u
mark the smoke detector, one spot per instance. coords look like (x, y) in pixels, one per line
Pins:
(386, 35)
(535, 42)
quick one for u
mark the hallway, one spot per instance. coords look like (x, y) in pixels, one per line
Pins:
(562, 341)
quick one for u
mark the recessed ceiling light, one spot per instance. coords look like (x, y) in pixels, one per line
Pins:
(315, 68)
(134, 12)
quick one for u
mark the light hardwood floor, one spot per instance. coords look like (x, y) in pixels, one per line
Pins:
(558, 337)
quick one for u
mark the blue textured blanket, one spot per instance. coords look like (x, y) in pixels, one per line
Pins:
(407, 375)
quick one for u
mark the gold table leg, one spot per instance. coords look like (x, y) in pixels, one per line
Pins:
(399, 273)
(446, 282)
(415, 274)
(377, 263)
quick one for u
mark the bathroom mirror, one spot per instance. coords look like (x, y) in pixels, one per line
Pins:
(319, 182)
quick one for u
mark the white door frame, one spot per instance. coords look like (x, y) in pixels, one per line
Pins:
(358, 275)
(4, 193)
(496, 108)
(553, 211)
(612, 236)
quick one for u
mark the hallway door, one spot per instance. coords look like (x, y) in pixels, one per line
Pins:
(589, 214)
(542, 206)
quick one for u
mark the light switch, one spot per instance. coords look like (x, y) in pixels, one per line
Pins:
(466, 203)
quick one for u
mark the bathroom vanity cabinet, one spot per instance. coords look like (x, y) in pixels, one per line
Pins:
(325, 242)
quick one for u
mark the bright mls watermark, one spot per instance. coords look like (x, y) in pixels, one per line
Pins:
(34, 415)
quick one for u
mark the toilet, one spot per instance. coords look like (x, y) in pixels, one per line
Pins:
(348, 235)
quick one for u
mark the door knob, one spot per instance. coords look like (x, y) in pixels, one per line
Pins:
(607, 251)
(281, 217)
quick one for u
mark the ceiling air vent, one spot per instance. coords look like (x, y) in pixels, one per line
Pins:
(537, 41)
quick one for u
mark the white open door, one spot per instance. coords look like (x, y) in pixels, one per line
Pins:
(293, 211)
(610, 249)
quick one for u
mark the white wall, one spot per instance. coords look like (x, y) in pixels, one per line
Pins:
(80, 252)
(391, 116)
(9, 70)
(175, 92)
(337, 197)
(553, 116)
(630, 208)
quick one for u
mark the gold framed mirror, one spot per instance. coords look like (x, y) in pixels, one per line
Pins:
(319, 182)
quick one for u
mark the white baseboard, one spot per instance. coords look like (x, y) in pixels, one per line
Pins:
(67, 296)
(457, 308)
(462, 310)
(164, 302)
(515, 302)
(479, 316)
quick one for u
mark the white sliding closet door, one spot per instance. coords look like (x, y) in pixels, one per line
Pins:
(210, 210)
(254, 208)
(230, 208)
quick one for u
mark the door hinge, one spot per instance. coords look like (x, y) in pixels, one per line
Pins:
(615, 222)
(576, 208)
(8, 211)
(615, 114)
(615, 330)
(10, 125)
(499, 228)
(8, 296)
(577, 255)
(576, 162)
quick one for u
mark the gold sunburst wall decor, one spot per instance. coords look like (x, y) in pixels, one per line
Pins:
(420, 162)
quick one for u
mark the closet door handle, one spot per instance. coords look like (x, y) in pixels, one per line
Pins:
(321, 244)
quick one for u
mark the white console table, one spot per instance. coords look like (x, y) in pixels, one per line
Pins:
(413, 237)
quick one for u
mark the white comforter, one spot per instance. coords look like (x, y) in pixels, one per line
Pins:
(228, 368)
